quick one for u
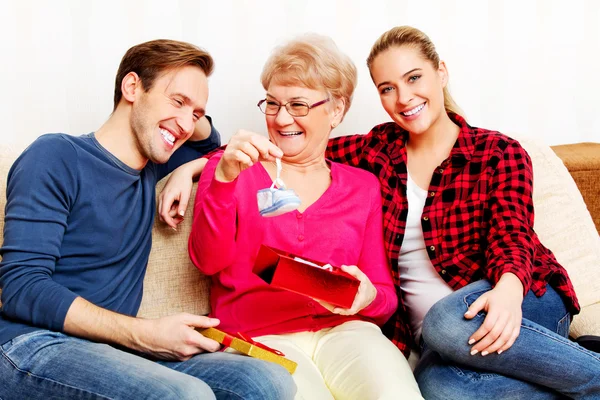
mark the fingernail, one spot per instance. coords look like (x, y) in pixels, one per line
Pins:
(485, 353)
(473, 352)
(471, 341)
(175, 229)
(182, 213)
(500, 351)
(468, 313)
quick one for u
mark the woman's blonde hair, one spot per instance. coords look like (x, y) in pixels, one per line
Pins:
(315, 62)
(409, 36)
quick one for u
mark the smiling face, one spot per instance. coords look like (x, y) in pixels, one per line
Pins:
(302, 138)
(163, 118)
(410, 88)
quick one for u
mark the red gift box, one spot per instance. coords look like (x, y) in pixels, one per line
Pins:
(300, 275)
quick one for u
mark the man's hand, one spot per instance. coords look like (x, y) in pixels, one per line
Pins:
(175, 337)
(171, 338)
(365, 295)
(502, 324)
(174, 198)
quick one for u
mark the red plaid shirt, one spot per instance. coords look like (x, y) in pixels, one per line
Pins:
(477, 220)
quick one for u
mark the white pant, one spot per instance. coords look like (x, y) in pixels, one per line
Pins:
(350, 361)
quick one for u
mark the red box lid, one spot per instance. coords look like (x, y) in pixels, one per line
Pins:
(287, 271)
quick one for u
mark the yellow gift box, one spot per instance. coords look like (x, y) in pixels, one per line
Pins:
(246, 345)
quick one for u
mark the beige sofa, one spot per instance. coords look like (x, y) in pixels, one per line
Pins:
(173, 284)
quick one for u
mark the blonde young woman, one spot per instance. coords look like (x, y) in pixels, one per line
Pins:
(489, 305)
(341, 353)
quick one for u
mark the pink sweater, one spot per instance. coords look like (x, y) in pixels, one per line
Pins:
(343, 227)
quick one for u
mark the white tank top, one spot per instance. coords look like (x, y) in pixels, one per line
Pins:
(421, 285)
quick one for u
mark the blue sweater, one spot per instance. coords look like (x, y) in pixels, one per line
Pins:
(78, 223)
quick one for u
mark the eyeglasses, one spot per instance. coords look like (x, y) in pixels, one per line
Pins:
(295, 108)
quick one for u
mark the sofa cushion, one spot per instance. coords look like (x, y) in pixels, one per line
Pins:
(562, 221)
(583, 162)
(565, 226)
(173, 284)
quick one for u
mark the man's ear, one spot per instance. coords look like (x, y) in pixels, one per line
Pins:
(131, 85)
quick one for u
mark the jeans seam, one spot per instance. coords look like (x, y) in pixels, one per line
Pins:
(48, 379)
(560, 322)
(566, 342)
(7, 358)
(457, 370)
(471, 294)
(225, 391)
(481, 374)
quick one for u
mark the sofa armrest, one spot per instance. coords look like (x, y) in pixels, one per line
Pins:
(583, 162)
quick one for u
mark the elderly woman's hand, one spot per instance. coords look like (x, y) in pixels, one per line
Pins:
(245, 149)
(365, 296)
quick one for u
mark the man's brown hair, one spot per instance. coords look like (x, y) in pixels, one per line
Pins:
(150, 59)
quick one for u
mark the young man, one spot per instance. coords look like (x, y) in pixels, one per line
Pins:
(77, 238)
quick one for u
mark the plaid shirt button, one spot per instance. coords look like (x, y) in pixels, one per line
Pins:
(441, 170)
(432, 248)
(425, 218)
(443, 272)
(432, 194)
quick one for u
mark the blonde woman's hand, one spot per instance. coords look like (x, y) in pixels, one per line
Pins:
(365, 295)
(244, 150)
(502, 324)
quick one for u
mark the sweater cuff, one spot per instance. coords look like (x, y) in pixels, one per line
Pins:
(376, 309)
(63, 309)
(222, 192)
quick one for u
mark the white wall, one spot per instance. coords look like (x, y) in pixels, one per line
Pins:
(516, 65)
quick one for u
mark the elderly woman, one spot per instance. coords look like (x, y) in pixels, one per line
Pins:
(340, 353)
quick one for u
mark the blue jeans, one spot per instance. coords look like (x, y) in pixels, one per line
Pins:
(542, 363)
(44, 365)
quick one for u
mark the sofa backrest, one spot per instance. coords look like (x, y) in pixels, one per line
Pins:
(173, 284)
(565, 226)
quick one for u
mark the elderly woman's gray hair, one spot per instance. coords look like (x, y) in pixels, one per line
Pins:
(315, 62)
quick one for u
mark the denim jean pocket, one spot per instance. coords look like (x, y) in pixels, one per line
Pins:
(24, 348)
(563, 325)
